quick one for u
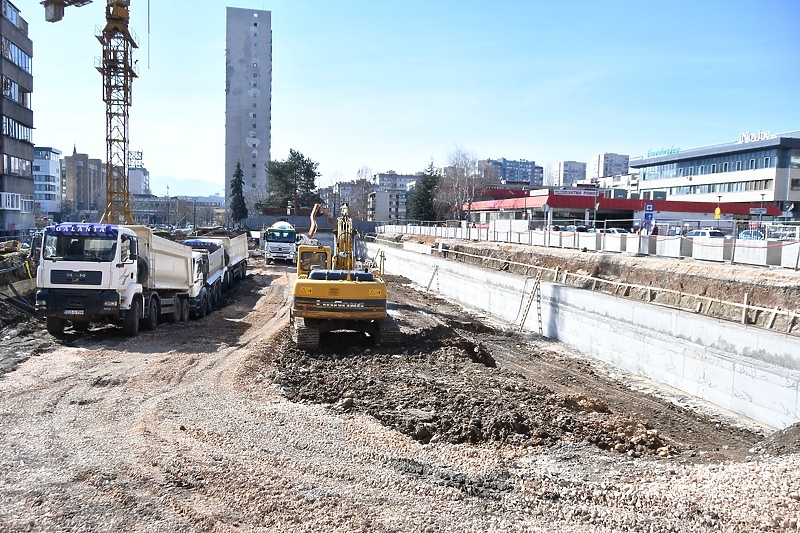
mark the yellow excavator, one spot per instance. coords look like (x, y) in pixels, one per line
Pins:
(334, 291)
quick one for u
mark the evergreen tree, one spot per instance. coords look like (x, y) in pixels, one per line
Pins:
(238, 208)
(292, 180)
(420, 205)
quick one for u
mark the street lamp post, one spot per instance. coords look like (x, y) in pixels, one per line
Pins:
(761, 213)
(718, 213)
(594, 217)
(525, 209)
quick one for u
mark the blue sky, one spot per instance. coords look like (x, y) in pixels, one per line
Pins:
(394, 85)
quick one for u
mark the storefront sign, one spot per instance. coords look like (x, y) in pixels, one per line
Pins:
(575, 192)
(747, 137)
(663, 151)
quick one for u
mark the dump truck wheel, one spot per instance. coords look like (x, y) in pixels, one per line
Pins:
(150, 322)
(130, 325)
(175, 316)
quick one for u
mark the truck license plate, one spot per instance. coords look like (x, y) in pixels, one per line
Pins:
(73, 311)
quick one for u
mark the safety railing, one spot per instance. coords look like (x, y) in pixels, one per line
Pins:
(766, 252)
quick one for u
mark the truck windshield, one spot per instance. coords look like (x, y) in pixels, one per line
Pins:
(78, 248)
(278, 235)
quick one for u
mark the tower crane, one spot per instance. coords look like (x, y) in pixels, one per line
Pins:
(118, 70)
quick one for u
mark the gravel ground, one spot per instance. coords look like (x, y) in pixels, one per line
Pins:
(221, 425)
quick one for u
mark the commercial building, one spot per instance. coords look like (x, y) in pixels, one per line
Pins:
(16, 148)
(568, 173)
(248, 100)
(48, 187)
(607, 164)
(755, 167)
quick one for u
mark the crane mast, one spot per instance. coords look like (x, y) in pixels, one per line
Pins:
(118, 70)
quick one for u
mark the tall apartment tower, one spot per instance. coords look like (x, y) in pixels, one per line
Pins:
(607, 165)
(248, 100)
(16, 146)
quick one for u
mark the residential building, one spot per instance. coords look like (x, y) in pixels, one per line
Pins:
(606, 165)
(84, 187)
(248, 100)
(47, 183)
(389, 200)
(16, 146)
(393, 180)
(568, 173)
(388, 204)
(756, 167)
(522, 173)
(356, 195)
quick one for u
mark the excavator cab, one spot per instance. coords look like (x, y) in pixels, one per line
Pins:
(312, 258)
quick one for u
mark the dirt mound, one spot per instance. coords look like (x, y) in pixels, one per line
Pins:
(441, 386)
(782, 442)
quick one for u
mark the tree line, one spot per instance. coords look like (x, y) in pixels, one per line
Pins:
(439, 194)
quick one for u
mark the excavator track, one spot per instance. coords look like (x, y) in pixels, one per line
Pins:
(305, 335)
(388, 332)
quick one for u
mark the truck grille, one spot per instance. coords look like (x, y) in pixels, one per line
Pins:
(76, 277)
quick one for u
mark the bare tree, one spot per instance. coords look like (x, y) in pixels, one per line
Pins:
(361, 190)
(551, 177)
(460, 182)
(365, 173)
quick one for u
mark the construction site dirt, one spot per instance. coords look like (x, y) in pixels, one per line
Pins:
(220, 424)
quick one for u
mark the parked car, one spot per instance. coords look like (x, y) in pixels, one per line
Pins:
(704, 233)
(751, 235)
(608, 230)
(783, 235)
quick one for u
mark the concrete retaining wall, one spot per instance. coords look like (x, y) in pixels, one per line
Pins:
(749, 371)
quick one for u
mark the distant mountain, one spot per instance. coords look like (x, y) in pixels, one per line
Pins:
(178, 187)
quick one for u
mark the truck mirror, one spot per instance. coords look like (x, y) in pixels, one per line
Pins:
(134, 253)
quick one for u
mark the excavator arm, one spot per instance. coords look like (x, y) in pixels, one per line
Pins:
(314, 212)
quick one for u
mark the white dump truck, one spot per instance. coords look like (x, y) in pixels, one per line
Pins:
(209, 255)
(112, 273)
(236, 253)
(280, 243)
